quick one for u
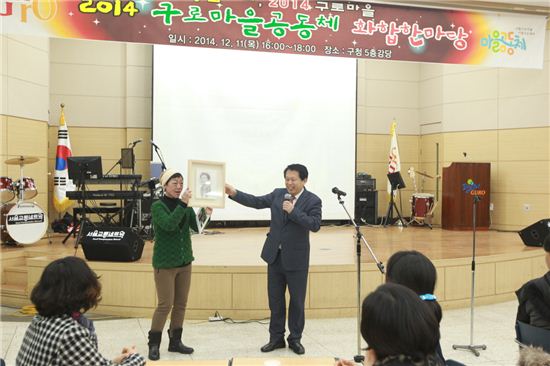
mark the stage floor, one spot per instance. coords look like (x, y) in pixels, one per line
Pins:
(229, 275)
(332, 245)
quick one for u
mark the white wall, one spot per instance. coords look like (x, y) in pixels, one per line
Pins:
(25, 77)
(470, 98)
(103, 84)
(387, 90)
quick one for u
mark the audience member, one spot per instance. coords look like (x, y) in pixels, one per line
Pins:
(399, 329)
(534, 297)
(60, 334)
(531, 356)
(414, 270)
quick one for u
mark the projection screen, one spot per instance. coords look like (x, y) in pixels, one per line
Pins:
(258, 112)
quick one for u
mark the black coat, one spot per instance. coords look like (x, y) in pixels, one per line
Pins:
(534, 302)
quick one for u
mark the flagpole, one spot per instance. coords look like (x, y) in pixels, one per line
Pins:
(61, 180)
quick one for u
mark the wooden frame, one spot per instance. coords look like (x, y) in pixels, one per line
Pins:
(207, 183)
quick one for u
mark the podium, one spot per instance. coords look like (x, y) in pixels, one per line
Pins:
(461, 182)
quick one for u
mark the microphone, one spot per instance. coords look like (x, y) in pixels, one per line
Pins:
(134, 143)
(288, 197)
(335, 190)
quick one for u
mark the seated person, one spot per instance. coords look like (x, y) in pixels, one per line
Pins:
(533, 356)
(414, 270)
(399, 328)
(60, 334)
(534, 297)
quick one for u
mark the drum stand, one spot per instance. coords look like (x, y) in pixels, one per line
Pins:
(422, 220)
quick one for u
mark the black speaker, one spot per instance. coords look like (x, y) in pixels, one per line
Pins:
(112, 244)
(366, 207)
(535, 234)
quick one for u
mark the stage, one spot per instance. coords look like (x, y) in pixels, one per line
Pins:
(229, 276)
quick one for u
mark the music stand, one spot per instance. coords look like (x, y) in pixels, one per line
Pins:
(81, 168)
(396, 181)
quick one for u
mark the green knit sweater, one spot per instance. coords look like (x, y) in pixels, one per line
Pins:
(172, 236)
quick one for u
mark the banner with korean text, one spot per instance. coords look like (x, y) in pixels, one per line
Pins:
(324, 28)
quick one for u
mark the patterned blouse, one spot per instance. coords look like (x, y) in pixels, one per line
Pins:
(60, 341)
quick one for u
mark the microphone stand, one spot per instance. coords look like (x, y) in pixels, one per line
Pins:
(359, 237)
(132, 146)
(471, 347)
(159, 154)
(117, 163)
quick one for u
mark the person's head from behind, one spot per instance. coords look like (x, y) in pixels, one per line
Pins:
(414, 270)
(398, 327)
(546, 246)
(295, 178)
(67, 285)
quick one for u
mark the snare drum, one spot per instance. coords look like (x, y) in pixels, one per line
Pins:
(29, 188)
(7, 192)
(422, 204)
(26, 222)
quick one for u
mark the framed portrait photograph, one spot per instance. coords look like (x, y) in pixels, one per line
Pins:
(203, 218)
(207, 182)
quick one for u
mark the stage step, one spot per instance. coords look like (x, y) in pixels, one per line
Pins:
(15, 276)
(14, 290)
(14, 295)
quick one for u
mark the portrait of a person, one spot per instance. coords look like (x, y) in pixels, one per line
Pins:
(205, 185)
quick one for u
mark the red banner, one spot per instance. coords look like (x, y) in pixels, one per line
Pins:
(328, 28)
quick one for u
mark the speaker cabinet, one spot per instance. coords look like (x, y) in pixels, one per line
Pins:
(366, 207)
(535, 234)
(365, 184)
(112, 244)
(126, 158)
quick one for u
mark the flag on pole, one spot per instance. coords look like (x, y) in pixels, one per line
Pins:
(61, 181)
(394, 164)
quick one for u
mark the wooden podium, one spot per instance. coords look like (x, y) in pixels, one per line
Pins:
(461, 182)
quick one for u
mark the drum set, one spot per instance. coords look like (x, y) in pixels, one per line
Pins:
(422, 204)
(22, 221)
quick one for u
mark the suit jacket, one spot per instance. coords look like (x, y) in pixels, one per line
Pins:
(289, 231)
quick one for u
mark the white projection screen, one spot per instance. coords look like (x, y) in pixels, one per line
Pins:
(258, 112)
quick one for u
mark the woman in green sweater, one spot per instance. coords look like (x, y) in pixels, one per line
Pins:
(172, 258)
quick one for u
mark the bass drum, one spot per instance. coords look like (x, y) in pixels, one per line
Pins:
(422, 204)
(26, 222)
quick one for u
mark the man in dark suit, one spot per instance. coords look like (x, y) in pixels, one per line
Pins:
(294, 213)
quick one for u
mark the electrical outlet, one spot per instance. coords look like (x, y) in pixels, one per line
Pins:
(526, 207)
(491, 206)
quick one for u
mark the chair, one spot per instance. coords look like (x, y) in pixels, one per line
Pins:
(528, 335)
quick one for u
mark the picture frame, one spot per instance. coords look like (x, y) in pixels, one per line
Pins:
(206, 181)
(203, 218)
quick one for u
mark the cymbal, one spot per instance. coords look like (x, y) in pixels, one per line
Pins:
(22, 160)
(424, 174)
